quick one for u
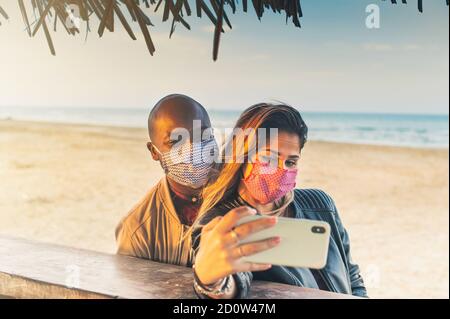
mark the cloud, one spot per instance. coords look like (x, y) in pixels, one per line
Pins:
(211, 28)
(411, 47)
(378, 47)
(387, 47)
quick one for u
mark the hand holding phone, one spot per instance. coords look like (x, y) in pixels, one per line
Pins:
(221, 252)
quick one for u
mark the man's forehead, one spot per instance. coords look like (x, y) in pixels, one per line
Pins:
(169, 124)
(168, 130)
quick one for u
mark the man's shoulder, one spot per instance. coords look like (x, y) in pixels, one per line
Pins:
(140, 213)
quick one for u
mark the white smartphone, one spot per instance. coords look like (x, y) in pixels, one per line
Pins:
(304, 243)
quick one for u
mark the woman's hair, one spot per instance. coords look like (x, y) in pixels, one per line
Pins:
(227, 175)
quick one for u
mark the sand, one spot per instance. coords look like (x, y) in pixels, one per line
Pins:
(71, 184)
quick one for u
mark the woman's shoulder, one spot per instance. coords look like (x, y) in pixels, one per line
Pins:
(314, 200)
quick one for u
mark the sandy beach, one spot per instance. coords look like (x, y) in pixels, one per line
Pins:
(71, 184)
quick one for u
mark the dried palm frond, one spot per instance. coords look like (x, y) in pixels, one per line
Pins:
(3, 13)
(106, 11)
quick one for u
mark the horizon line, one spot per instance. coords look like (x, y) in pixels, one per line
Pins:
(214, 109)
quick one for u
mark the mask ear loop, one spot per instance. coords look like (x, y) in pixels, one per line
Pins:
(156, 149)
(161, 160)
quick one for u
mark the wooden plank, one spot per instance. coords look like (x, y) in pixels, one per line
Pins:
(36, 270)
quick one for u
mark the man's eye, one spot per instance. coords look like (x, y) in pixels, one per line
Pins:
(175, 141)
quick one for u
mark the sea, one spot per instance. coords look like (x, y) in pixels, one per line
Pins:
(409, 130)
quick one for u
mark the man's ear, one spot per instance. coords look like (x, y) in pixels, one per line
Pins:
(155, 154)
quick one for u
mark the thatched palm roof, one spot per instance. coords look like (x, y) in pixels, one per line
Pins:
(176, 11)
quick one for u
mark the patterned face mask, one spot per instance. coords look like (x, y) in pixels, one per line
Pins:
(190, 163)
(268, 184)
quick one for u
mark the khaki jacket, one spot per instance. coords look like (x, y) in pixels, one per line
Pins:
(152, 230)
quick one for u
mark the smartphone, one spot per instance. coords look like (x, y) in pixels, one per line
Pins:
(304, 243)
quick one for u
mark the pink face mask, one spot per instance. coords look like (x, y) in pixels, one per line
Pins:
(267, 184)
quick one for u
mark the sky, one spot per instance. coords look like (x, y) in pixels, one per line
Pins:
(334, 63)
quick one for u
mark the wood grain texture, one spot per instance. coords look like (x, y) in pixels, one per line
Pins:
(36, 270)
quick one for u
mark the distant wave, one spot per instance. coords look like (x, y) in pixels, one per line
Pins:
(431, 131)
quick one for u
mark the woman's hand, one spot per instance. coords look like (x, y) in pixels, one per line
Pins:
(220, 253)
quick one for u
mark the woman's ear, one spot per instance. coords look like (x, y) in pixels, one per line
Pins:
(153, 152)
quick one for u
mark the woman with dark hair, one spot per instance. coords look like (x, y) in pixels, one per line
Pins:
(257, 176)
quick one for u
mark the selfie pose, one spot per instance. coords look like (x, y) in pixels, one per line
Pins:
(262, 182)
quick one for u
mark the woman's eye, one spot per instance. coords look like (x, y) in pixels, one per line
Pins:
(291, 164)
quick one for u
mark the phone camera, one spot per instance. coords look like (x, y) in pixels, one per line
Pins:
(318, 230)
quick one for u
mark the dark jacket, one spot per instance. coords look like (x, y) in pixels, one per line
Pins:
(340, 274)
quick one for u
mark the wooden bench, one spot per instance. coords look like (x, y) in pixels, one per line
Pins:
(36, 270)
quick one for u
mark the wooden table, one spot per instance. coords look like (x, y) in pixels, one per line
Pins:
(35, 270)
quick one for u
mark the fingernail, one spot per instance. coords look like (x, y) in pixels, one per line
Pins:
(276, 240)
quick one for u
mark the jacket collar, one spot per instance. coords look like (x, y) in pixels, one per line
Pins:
(166, 199)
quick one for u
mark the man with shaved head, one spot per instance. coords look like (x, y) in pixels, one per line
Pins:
(156, 228)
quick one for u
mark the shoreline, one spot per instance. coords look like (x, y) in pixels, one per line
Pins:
(122, 128)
